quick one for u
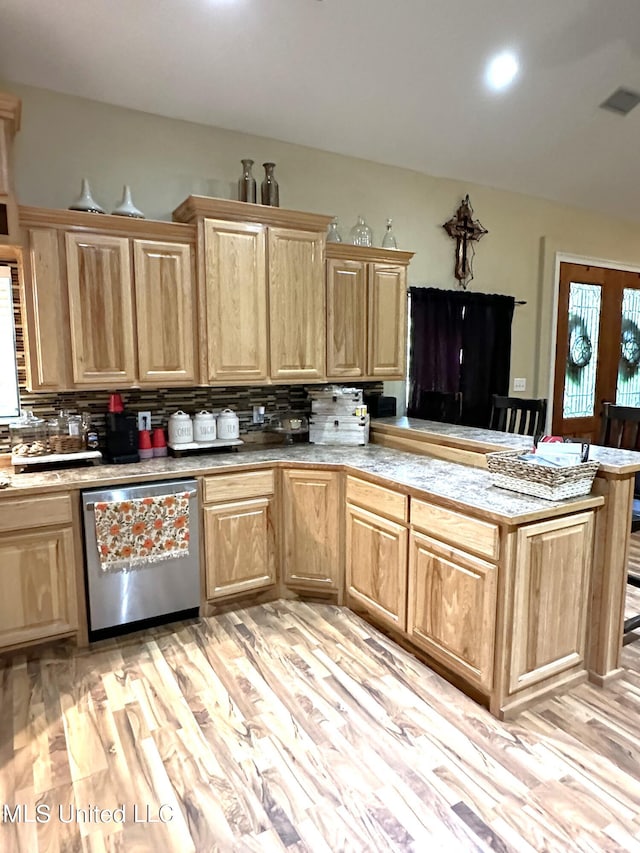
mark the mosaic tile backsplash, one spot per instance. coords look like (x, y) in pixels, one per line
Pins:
(162, 402)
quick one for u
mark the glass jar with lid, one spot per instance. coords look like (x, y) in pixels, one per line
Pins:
(361, 234)
(28, 435)
(67, 436)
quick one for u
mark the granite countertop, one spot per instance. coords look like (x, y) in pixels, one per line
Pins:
(465, 487)
(612, 460)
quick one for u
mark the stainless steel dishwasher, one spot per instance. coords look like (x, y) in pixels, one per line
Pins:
(142, 551)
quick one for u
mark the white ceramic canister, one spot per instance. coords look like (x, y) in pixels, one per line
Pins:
(228, 425)
(180, 428)
(204, 427)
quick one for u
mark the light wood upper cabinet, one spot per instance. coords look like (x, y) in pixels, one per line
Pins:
(366, 312)
(387, 321)
(312, 529)
(550, 605)
(264, 310)
(109, 302)
(296, 304)
(235, 295)
(101, 309)
(376, 566)
(452, 608)
(239, 547)
(46, 314)
(346, 319)
(165, 312)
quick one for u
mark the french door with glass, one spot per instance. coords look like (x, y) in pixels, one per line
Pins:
(597, 347)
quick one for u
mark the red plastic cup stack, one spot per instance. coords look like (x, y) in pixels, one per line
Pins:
(115, 403)
(159, 443)
(145, 450)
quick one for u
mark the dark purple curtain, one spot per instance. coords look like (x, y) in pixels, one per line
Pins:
(436, 340)
(445, 323)
(486, 354)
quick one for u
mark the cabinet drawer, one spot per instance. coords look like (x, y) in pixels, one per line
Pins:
(37, 511)
(479, 537)
(377, 498)
(249, 484)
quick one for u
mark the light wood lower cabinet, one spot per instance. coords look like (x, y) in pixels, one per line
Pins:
(239, 533)
(376, 566)
(239, 547)
(551, 576)
(37, 570)
(452, 608)
(312, 517)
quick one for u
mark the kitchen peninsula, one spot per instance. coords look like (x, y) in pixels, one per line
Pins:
(614, 482)
(492, 588)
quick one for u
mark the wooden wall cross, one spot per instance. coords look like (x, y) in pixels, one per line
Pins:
(466, 231)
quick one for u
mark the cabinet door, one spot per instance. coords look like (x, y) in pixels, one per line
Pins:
(311, 535)
(346, 318)
(47, 344)
(37, 586)
(452, 605)
(236, 301)
(387, 321)
(376, 565)
(296, 304)
(165, 312)
(239, 547)
(101, 310)
(551, 593)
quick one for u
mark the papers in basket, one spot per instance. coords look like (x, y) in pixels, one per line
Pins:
(558, 454)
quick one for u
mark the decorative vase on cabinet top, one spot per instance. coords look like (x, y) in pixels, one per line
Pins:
(85, 200)
(126, 206)
(389, 240)
(361, 234)
(269, 190)
(333, 234)
(247, 183)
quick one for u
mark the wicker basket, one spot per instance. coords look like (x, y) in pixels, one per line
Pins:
(542, 481)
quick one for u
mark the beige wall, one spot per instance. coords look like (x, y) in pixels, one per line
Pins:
(64, 138)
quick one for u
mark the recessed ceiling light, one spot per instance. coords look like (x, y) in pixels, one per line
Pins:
(501, 71)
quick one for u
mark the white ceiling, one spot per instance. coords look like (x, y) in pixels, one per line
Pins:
(395, 81)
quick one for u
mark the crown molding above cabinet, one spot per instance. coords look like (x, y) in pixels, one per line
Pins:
(197, 207)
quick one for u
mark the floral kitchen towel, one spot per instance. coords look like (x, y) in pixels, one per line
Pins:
(132, 534)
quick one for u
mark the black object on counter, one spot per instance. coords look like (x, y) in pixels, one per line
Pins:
(379, 406)
(122, 437)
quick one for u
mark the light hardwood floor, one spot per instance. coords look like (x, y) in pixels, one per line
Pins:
(297, 726)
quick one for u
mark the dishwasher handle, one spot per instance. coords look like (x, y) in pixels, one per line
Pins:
(91, 505)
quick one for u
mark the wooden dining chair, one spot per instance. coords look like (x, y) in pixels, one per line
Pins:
(443, 406)
(620, 426)
(621, 429)
(518, 415)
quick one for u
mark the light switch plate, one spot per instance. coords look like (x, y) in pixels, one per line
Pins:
(520, 384)
(142, 415)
